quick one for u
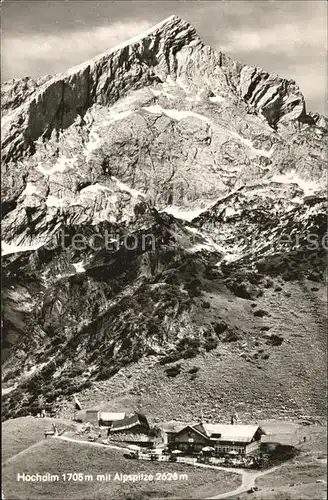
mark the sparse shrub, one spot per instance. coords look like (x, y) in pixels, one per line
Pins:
(220, 327)
(240, 290)
(173, 371)
(187, 343)
(211, 274)
(105, 374)
(52, 395)
(265, 328)
(194, 369)
(21, 412)
(193, 288)
(170, 358)
(11, 374)
(314, 276)
(195, 283)
(231, 336)
(278, 289)
(190, 353)
(211, 343)
(206, 305)
(275, 340)
(268, 283)
(56, 341)
(194, 292)
(261, 313)
(76, 371)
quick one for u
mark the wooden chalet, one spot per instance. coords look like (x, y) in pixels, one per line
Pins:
(189, 440)
(169, 430)
(224, 439)
(89, 415)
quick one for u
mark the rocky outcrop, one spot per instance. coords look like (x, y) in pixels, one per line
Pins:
(276, 99)
(54, 105)
(171, 48)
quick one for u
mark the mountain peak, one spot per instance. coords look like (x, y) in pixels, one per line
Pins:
(170, 28)
(171, 48)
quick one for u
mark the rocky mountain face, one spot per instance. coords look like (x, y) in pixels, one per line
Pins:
(163, 206)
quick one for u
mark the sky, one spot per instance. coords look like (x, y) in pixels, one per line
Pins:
(287, 37)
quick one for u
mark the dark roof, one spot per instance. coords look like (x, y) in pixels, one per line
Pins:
(129, 422)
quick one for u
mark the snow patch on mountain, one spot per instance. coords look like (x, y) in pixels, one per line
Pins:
(253, 151)
(200, 247)
(124, 187)
(158, 93)
(10, 248)
(174, 113)
(94, 188)
(79, 268)
(308, 187)
(7, 390)
(95, 139)
(94, 142)
(54, 201)
(182, 213)
(177, 84)
(216, 98)
(30, 189)
(119, 115)
(61, 165)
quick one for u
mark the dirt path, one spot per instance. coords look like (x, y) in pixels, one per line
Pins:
(66, 438)
(21, 452)
(248, 479)
(63, 438)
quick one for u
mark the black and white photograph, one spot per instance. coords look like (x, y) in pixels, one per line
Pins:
(164, 249)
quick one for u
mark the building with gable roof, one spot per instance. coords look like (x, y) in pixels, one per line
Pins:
(225, 439)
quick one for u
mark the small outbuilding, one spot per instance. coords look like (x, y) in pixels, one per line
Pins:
(107, 419)
(89, 415)
(136, 423)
